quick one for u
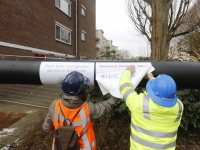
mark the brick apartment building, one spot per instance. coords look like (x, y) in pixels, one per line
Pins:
(48, 28)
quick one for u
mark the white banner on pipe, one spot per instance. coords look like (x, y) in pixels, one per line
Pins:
(108, 75)
(55, 72)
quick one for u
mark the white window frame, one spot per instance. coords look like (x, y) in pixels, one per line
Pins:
(64, 6)
(83, 35)
(64, 33)
(83, 11)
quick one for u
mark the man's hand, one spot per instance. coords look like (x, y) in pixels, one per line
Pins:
(148, 76)
(131, 68)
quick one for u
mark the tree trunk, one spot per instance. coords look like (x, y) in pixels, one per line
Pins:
(160, 39)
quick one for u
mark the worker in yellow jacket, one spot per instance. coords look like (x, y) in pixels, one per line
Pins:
(155, 114)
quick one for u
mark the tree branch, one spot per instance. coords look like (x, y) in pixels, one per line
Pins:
(143, 8)
(148, 1)
(179, 34)
(183, 9)
(170, 17)
(136, 14)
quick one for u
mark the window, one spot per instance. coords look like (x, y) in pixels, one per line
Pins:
(83, 36)
(64, 5)
(83, 10)
(58, 3)
(63, 34)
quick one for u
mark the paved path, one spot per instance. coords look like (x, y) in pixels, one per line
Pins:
(12, 135)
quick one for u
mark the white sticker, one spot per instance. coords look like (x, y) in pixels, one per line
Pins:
(108, 75)
(55, 72)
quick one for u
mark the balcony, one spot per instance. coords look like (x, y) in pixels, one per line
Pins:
(97, 38)
(97, 46)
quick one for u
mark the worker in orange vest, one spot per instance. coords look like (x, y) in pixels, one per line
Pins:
(74, 108)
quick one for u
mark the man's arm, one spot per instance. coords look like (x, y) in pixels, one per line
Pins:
(149, 76)
(97, 110)
(125, 86)
(48, 122)
(127, 91)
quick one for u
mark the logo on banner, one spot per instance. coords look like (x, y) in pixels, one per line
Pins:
(110, 76)
(103, 76)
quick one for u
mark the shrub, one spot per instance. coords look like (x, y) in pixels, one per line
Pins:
(191, 102)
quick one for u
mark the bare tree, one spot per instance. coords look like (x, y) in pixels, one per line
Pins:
(160, 21)
(192, 40)
(125, 54)
(145, 52)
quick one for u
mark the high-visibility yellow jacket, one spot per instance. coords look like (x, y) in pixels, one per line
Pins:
(81, 122)
(153, 127)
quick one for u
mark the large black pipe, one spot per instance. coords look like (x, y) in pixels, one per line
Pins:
(19, 72)
(186, 74)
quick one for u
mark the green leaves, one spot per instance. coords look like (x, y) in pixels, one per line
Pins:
(191, 102)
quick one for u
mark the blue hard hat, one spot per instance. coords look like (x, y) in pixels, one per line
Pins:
(162, 90)
(74, 83)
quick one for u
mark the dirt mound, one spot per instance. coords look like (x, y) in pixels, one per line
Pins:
(8, 118)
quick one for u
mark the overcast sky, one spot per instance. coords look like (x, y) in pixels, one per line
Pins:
(113, 20)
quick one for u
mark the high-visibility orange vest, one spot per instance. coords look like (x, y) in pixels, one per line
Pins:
(82, 123)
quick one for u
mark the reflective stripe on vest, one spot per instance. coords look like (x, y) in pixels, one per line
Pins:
(53, 144)
(154, 133)
(179, 112)
(146, 108)
(146, 102)
(75, 123)
(83, 122)
(125, 96)
(151, 144)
